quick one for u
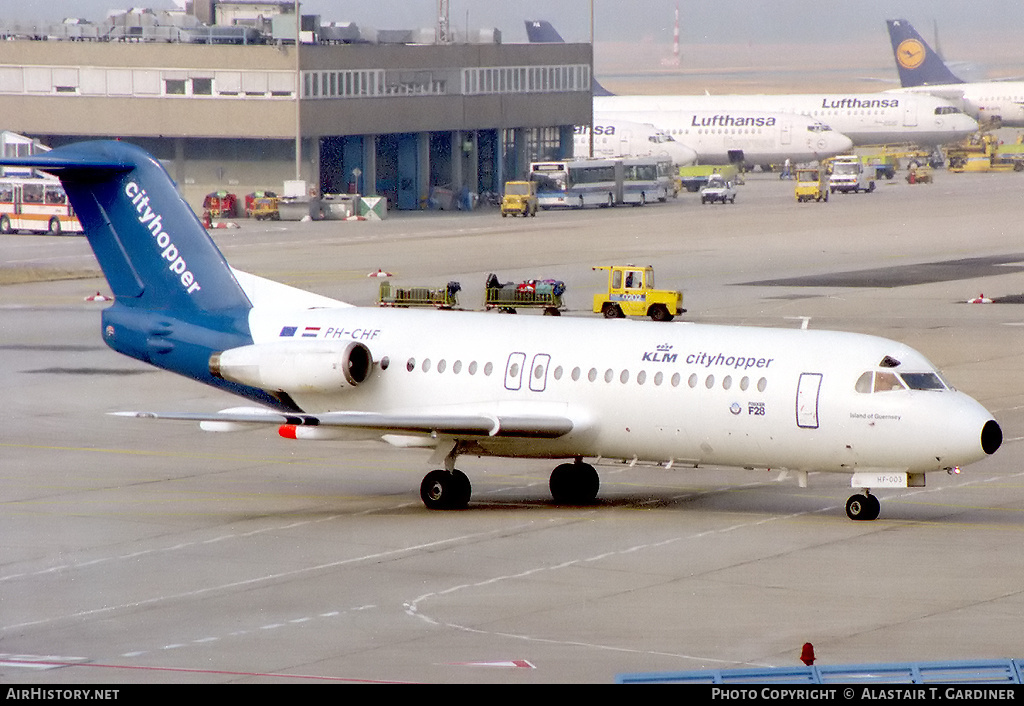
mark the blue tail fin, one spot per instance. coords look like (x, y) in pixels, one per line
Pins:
(917, 64)
(176, 299)
(542, 32)
(153, 250)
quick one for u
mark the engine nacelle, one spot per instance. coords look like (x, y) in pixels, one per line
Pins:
(292, 367)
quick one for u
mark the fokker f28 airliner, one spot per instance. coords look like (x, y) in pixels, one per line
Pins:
(477, 383)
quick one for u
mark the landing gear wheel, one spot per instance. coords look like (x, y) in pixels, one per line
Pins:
(574, 484)
(863, 507)
(444, 490)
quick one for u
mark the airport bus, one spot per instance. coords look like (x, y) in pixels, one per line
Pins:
(645, 179)
(37, 205)
(578, 182)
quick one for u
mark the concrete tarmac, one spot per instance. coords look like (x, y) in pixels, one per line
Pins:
(136, 551)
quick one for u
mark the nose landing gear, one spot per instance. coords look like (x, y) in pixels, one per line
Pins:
(863, 506)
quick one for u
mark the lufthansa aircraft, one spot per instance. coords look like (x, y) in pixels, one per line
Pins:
(477, 383)
(747, 137)
(623, 138)
(866, 118)
(743, 137)
(923, 71)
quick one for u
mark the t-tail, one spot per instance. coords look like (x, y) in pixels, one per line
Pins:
(542, 32)
(176, 299)
(917, 63)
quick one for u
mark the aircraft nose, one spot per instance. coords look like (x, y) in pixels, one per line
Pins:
(991, 437)
(967, 124)
(683, 155)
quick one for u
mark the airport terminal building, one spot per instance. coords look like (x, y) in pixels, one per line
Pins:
(228, 110)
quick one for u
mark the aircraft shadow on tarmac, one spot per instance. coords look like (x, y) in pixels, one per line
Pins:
(913, 274)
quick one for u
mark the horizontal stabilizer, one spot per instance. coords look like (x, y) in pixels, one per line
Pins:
(58, 162)
(468, 425)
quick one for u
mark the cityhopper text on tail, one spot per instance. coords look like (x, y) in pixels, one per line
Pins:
(568, 388)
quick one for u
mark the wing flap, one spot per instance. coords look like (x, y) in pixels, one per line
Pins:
(468, 425)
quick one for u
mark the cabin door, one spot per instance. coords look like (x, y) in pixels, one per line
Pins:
(539, 372)
(807, 400)
(514, 371)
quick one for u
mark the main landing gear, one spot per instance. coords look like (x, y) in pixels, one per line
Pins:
(863, 506)
(446, 490)
(570, 483)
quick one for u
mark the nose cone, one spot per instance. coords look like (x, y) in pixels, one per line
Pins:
(680, 154)
(970, 433)
(991, 437)
(830, 143)
(842, 143)
(964, 125)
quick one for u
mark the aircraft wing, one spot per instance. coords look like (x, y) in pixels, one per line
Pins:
(468, 425)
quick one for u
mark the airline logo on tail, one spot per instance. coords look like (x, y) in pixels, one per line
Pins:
(911, 53)
(168, 250)
(917, 63)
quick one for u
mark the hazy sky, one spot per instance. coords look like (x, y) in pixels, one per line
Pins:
(773, 21)
(969, 31)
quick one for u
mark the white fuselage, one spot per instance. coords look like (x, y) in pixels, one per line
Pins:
(747, 136)
(874, 118)
(983, 101)
(750, 137)
(623, 138)
(673, 393)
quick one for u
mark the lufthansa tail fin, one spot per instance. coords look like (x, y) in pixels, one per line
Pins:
(542, 32)
(917, 63)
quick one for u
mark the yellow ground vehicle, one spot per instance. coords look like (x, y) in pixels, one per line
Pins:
(919, 175)
(520, 197)
(811, 184)
(262, 205)
(631, 292)
(983, 153)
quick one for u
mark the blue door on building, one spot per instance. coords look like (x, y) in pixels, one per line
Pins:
(408, 172)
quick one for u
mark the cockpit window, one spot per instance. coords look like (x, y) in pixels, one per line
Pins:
(818, 127)
(886, 382)
(947, 110)
(880, 381)
(863, 385)
(923, 381)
